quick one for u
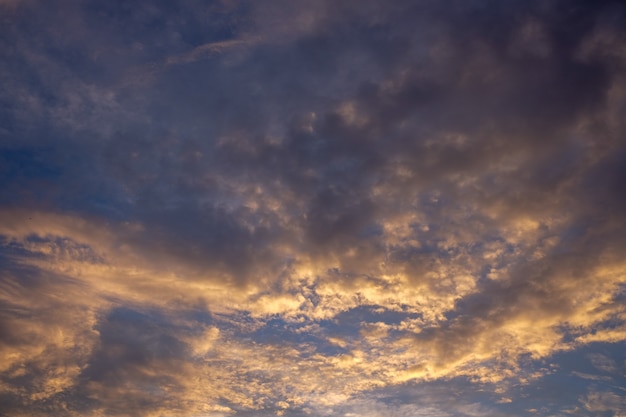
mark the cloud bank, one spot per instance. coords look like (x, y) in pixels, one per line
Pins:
(313, 208)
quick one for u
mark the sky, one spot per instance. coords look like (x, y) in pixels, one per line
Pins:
(334, 208)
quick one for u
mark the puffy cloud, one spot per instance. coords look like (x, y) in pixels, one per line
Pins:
(282, 209)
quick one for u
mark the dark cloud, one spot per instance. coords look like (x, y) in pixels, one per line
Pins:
(132, 370)
(375, 194)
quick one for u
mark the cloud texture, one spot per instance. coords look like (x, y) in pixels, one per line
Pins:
(329, 208)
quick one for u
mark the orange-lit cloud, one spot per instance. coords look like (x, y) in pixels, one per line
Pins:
(332, 208)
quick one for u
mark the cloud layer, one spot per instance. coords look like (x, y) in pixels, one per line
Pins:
(313, 208)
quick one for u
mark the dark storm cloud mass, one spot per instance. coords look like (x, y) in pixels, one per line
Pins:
(312, 208)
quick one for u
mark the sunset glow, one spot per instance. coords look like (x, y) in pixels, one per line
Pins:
(312, 208)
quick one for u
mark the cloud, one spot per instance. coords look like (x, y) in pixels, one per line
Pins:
(207, 50)
(603, 401)
(284, 209)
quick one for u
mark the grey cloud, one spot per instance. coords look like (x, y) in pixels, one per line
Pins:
(132, 369)
(490, 126)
